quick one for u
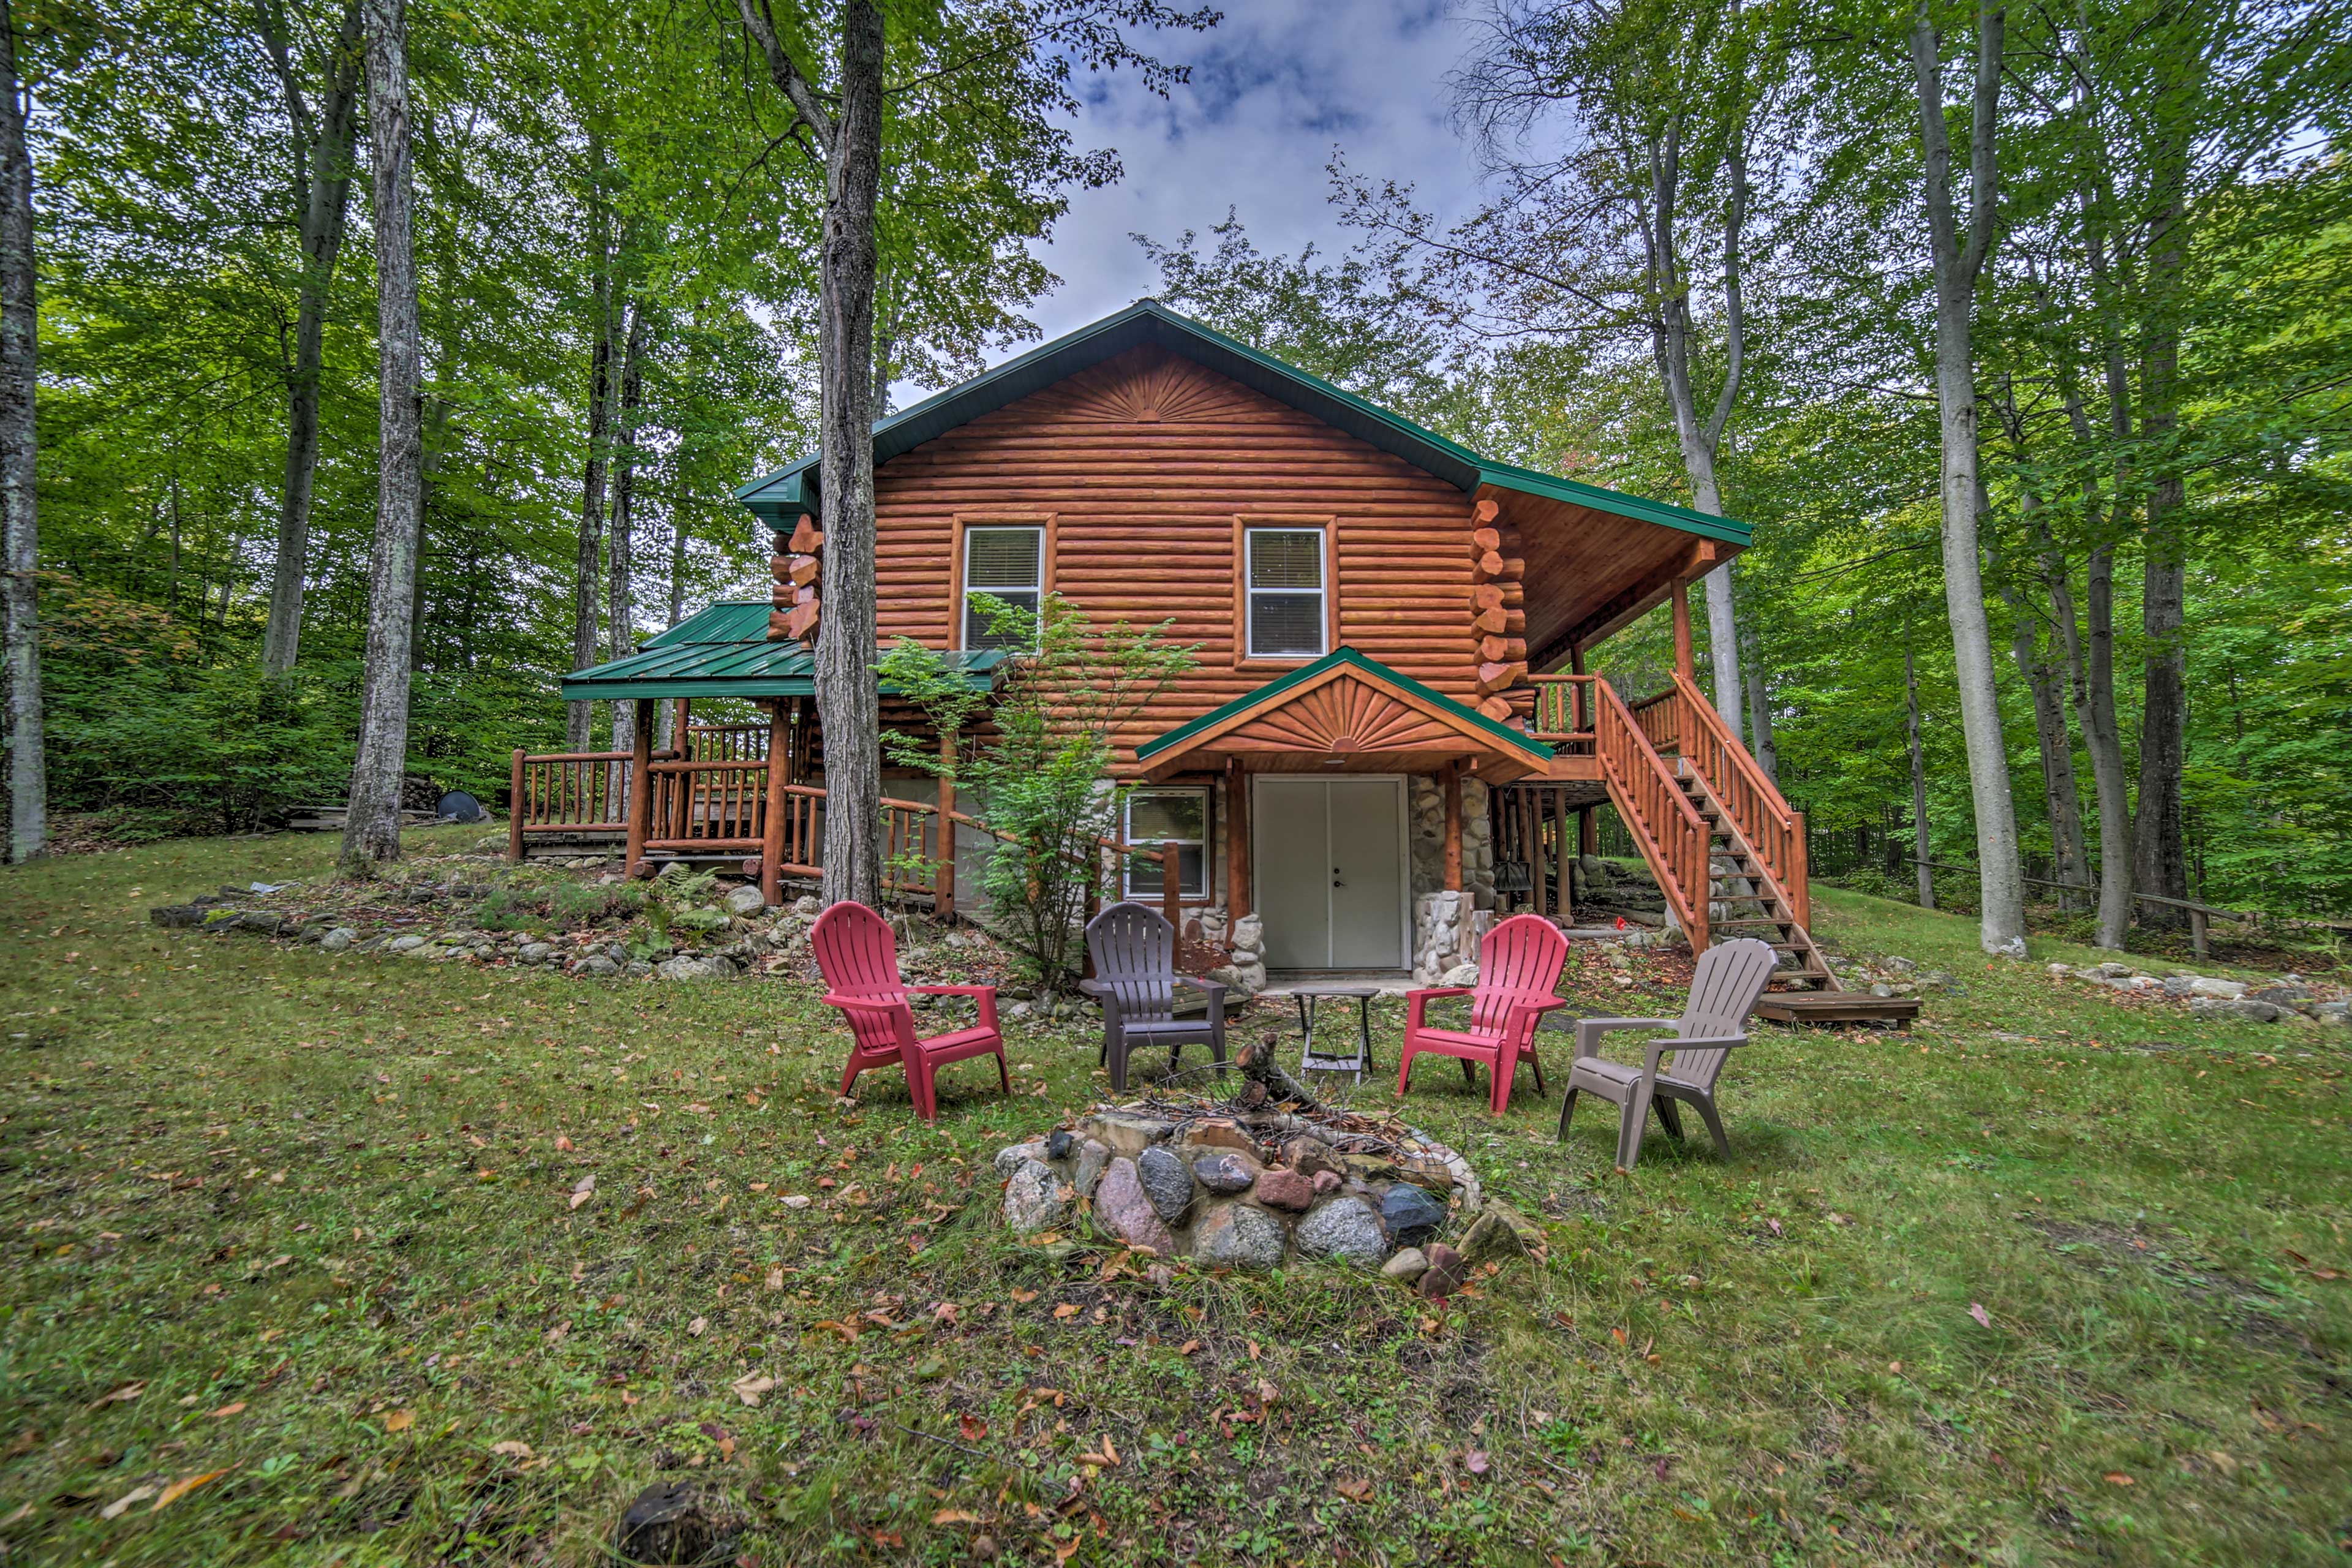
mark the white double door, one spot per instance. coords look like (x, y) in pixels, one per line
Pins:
(1328, 860)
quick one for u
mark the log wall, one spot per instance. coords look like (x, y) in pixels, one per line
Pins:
(1144, 463)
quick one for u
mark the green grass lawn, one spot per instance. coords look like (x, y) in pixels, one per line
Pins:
(2043, 1281)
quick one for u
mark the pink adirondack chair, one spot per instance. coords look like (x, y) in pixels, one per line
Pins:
(1518, 966)
(859, 956)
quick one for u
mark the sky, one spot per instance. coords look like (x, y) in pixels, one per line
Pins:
(1278, 86)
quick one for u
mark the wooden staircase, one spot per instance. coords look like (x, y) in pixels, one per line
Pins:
(1727, 851)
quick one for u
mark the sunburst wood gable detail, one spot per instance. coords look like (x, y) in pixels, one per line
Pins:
(1346, 717)
(1152, 386)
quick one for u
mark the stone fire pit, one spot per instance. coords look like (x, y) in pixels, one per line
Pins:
(1253, 1185)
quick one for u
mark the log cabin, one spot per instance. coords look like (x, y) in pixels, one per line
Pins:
(1389, 730)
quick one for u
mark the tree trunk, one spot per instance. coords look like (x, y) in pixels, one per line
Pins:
(847, 705)
(588, 566)
(29, 827)
(2095, 715)
(1921, 850)
(2062, 795)
(620, 608)
(2159, 864)
(2001, 925)
(371, 828)
(324, 199)
(1760, 708)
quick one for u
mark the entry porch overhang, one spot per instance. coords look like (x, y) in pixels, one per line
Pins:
(1344, 713)
(723, 650)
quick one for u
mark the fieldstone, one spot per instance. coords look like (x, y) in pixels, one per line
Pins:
(177, 915)
(1127, 1132)
(2242, 1008)
(1283, 1188)
(2221, 990)
(745, 902)
(1127, 1211)
(1226, 1172)
(1057, 1144)
(1036, 1199)
(1460, 974)
(1013, 1157)
(694, 968)
(1236, 1236)
(2179, 984)
(1307, 1155)
(1500, 1231)
(808, 906)
(339, 940)
(1093, 1155)
(408, 943)
(1447, 1273)
(2114, 971)
(1166, 1182)
(536, 951)
(597, 964)
(1407, 1265)
(1344, 1228)
(1218, 1132)
(2282, 995)
(1248, 936)
(1412, 1215)
(676, 1521)
(1327, 1182)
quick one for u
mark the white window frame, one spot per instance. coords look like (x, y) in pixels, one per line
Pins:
(1207, 842)
(963, 607)
(1250, 590)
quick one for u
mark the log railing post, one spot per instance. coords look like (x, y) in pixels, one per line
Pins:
(515, 809)
(1170, 896)
(641, 789)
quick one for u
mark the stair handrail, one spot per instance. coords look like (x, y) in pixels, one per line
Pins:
(1775, 832)
(1674, 836)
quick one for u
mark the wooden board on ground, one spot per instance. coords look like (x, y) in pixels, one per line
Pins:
(1836, 1007)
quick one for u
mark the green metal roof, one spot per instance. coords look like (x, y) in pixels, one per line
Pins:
(1469, 717)
(723, 650)
(783, 496)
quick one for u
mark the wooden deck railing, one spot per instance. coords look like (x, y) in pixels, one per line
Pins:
(1564, 714)
(1775, 832)
(1672, 835)
(571, 792)
(726, 742)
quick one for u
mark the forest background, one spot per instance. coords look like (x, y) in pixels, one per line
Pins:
(615, 245)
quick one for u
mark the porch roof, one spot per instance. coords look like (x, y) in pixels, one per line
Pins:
(723, 650)
(1344, 709)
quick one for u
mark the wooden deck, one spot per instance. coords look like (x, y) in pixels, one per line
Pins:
(1836, 1007)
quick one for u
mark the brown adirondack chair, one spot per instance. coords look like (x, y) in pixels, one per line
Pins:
(1134, 950)
(1729, 979)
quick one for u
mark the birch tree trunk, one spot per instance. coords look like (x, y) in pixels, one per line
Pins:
(323, 183)
(1958, 264)
(28, 789)
(848, 703)
(372, 827)
(620, 608)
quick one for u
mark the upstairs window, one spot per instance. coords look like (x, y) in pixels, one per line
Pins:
(1178, 817)
(1285, 576)
(1006, 564)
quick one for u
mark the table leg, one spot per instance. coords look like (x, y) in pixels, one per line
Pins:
(1363, 1035)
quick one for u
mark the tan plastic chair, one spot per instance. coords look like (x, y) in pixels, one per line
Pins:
(1729, 979)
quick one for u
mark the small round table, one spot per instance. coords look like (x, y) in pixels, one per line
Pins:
(1309, 1059)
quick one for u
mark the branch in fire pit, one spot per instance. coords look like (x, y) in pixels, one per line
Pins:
(1257, 1064)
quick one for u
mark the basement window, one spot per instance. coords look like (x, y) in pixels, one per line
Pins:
(1178, 817)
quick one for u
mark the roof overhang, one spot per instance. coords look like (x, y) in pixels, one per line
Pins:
(723, 650)
(1344, 713)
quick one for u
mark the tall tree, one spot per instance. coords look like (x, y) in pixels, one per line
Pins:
(620, 606)
(589, 563)
(1957, 261)
(29, 790)
(319, 180)
(372, 826)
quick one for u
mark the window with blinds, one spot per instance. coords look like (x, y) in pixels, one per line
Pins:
(1178, 817)
(1008, 565)
(1285, 593)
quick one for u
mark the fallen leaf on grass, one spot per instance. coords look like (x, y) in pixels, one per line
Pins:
(129, 1391)
(1475, 1462)
(750, 1387)
(227, 1410)
(512, 1449)
(1023, 1296)
(955, 1516)
(186, 1485)
(1188, 1347)
(2116, 1478)
(1068, 1310)
(121, 1505)
(1355, 1492)
(585, 1190)
(694, 1328)
(972, 1427)
(400, 1421)
(1983, 1317)
(562, 1145)
(775, 1280)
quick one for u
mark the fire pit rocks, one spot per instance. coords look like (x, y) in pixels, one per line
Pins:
(1252, 1188)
